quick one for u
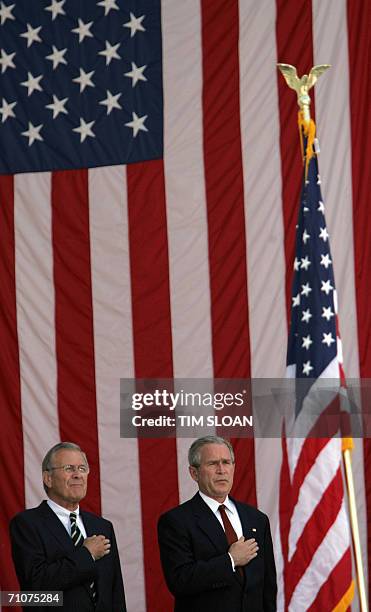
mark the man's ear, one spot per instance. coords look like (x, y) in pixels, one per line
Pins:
(193, 472)
(47, 479)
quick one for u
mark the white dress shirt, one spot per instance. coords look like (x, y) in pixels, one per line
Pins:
(64, 516)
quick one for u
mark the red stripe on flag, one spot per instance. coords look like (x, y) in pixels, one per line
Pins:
(74, 320)
(359, 18)
(152, 354)
(308, 456)
(225, 211)
(224, 190)
(333, 588)
(293, 16)
(11, 437)
(314, 445)
(314, 532)
(285, 510)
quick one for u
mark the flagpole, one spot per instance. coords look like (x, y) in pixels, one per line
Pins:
(347, 457)
(302, 86)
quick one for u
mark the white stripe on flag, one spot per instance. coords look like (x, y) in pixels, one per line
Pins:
(119, 464)
(263, 201)
(185, 191)
(36, 325)
(333, 127)
(186, 205)
(315, 483)
(327, 555)
(264, 224)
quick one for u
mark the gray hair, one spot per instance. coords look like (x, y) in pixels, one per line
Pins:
(194, 453)
(47, 463)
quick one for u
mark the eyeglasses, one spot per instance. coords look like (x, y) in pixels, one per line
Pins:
(71, 469)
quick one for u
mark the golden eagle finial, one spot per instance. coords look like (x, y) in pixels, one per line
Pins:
(302, 85)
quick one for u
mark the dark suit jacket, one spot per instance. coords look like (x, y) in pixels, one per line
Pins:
(46, 558)
(198, 569)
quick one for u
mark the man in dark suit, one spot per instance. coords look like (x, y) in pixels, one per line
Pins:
(58, 547)
(216, 552)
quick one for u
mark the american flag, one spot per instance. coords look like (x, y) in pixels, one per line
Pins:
(314, 526)
(81, 84)
(179, 264)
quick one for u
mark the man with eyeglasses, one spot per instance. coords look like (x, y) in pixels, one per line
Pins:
(216, 552)
(58, 547)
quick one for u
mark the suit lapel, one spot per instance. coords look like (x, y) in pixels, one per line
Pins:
(54, 526)
(209, 524)
(246, 527)
(249, 528)
(91, 523)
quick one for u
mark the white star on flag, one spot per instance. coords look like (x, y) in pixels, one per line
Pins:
(33, 133)
(110, 52)
(325, 260)
(305, 262)
(32, 35)
(7, 110)
(6, 12)
(83, 30)
(321, 207)
(6, 60)
(135, 24)
(296, 264)
(57, 57)
(326, 286)
(296, 300)
(57, 106)
(307, 368)
(307, 341)
(84, 79)
(136, 74)
(32, 83)
(323, 233)
(137, 124)
(111, 101)
(306, 315)
(84, 130)
(328, 339)
(306, 289)
(327, 313)
(108, 6)
(56, 8)
(306, 236)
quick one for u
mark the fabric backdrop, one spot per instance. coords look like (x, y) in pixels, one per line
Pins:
(182, 265)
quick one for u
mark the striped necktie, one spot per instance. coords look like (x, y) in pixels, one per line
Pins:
(78, 540)
(76, 534)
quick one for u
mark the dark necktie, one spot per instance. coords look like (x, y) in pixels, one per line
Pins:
(228, 528)
(230, 534)
(76, 534)
(78, 540)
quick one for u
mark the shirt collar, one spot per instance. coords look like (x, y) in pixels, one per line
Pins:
(60, 511)
(214, 504)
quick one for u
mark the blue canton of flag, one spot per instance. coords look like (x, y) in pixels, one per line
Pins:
(80, 83)
(313, 343)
